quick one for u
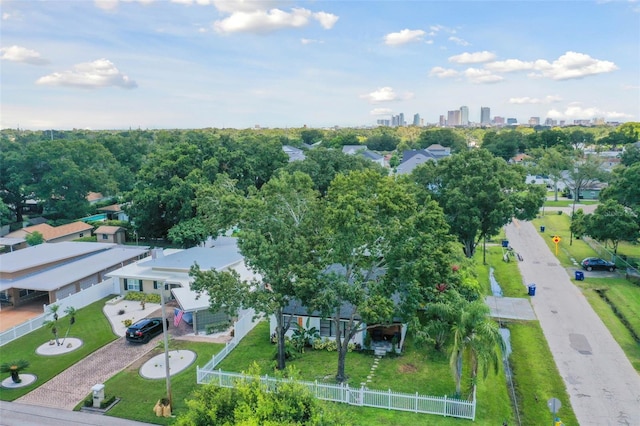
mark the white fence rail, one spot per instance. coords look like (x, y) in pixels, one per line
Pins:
(390, 400)
(240, 328)
(77, 300)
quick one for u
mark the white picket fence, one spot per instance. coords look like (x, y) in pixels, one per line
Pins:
(364, 397)
(241, 328)
(77, 300)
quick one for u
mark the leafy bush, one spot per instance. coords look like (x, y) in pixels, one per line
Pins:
(127, 322)
(139, 296)
(330, 345)
(218, 326)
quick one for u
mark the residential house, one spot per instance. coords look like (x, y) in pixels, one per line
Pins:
(114, 212)
(12, 244)
(362, 150)
(69, 232)
(110, 234)
(294, 154)
(414, 158)
(51, 272)
(168, 272)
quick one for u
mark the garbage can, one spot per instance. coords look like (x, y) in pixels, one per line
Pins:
(579, 275)
(505, 243)
(542, 229)
(532, 289)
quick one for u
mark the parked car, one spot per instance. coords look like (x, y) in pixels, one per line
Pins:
(144, 330)
(595, 263)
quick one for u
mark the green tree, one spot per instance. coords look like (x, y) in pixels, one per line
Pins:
(311, 136)
(477, 338)
(378, 242)
(188, 233)
(445, 137)
(254, 403)
(34, 238)
(578, 224)
(551, 162)
(278, 226)
(612, 222)
(383, 142)
(479, 194)
(630, 156)
(624, 186)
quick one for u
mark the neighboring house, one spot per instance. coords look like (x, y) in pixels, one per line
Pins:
(55, 271)
(589, 192)
(95, 197)
(51, 234)
(294, 154)
(362, 150)
(110, 234)
(172, 267)
(36, 220)
(353, 149)
(114, 212)
(519, 158)
(381, 336)
(12, 244)
(438, 150)
(412, 159)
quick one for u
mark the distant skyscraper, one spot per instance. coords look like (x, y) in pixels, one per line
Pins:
(416, 119)
(453, 118)
(485, 115)
(512, 121)
(401, 121)
(443, 121)
(464, 115)
(534, 121)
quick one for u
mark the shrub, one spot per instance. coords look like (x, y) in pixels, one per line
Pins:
(139, 296)
(127, 322)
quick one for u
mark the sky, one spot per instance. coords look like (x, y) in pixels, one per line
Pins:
(167, 64)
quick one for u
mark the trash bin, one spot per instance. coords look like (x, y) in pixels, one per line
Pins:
(532, 289)
(579, 275)
(542, 229)
(505, 243)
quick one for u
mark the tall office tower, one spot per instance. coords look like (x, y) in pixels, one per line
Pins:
(416, 119)
(534, 121)
(401, 121)
(485, 115)
(453, 118)
(464, 115)
(442, 121)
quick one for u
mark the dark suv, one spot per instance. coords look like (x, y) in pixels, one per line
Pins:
(143, 330)
(593, 263)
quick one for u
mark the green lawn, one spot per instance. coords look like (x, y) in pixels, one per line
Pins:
(91, 326)
(138, 395)
(568, 248)
(563, 202)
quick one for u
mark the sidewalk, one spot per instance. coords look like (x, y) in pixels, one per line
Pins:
(15, 414)
(603, 387)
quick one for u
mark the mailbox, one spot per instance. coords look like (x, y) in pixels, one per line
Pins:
(98, 395)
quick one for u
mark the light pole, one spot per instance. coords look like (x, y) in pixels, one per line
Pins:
(166, 343)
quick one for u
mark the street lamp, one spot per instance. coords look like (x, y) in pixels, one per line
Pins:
(166, 342)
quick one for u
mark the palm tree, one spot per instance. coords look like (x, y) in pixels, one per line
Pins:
(53, 309)
(477, 336)
(71, 311)
(14, 368)
(54, 329)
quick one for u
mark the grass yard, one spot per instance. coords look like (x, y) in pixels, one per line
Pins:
(564, 202)
(536, 376)
(506, 273)
(91, 326)
(568, 249)
(138, 395)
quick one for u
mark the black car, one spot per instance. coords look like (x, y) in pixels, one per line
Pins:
(594, 263)
(143, 330)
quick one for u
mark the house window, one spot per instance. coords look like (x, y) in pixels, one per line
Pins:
(294, 320)
(133, 285)
(105, 237)
(328, 328)
(155, 285)
(81, 234)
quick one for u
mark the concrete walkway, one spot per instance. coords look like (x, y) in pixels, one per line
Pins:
(603, 387)
(15, 414)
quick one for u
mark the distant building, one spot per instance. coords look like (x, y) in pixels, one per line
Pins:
(442, 121)
(498, 121)
(534, 121)
(485, 115)
(416, 120)
(464, 115)
(51, 234)
(512, 121)
(453, 118)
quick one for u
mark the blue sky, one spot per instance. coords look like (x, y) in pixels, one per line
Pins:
(115, 64)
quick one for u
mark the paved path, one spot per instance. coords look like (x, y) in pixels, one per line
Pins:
(71, 386)
(603, 387)
(14, 414)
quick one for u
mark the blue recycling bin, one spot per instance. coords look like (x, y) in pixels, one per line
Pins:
(532, 289)
(579, 276)
(505, 243)
(542, 229)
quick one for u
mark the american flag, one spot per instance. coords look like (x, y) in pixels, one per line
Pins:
(177, 318)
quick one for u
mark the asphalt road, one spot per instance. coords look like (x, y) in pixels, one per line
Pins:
(603, 387)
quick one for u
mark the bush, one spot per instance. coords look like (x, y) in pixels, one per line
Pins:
(127, 322)
(139, 296)
(216, 327)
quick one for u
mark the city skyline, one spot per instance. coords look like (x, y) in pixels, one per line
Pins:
(116, 64)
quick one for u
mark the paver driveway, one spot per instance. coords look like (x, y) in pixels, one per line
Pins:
(603, 386)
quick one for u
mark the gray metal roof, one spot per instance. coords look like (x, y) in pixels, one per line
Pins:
(42, 254)
(222, 255)
(60, 276)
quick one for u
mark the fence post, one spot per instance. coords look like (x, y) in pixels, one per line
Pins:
(219, 377)
(416, 402)
(389, 401)
(445, 406)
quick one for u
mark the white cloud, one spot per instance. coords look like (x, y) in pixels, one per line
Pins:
(473, 58)
(232, 6)
(527, 100)
(310, 41)
(403, 37)
(89, 75)
(22, 54)
(443, 72)
(327, 20)
(459, 41)
(381, 111)
(480, 76)
(110, 5)
(573, 65)
(510, 65)
(384, 94)
(577, 112)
